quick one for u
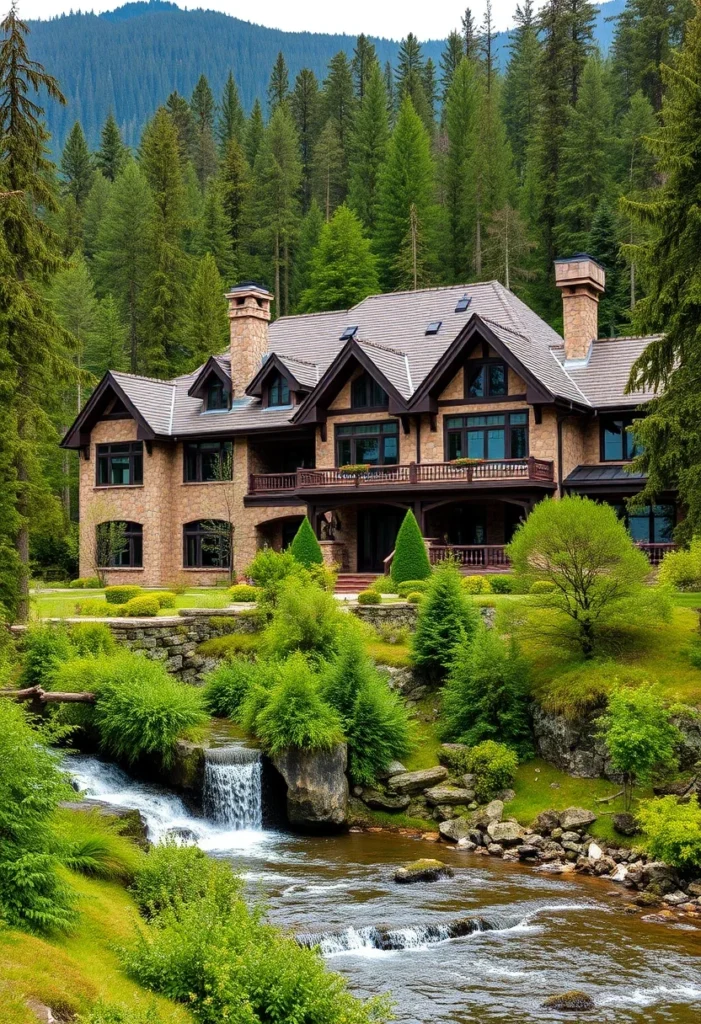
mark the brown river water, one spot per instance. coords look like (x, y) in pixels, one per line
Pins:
(543, 934)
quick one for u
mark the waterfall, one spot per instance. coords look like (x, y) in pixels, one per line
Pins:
(232, 792)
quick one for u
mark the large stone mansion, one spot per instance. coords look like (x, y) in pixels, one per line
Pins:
(459, 403)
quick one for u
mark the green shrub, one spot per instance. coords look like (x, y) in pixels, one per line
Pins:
(165, 598)
(476, 584)
(32, 896)
(227, 686)
(45, 647)
(672, 831)
(494, 767)
(501, 584)
(306, 619)
(446, 618)
(85, 583)
(91, 843)
(456, 761)
(324, 576)
(145, 606)
(172, 876)
(242, 592)
(542, 587)
(486, 695)
(389, 633)
(369, 597)
(415, 597)
(410, 560)
(98, 609)
(269, 570)
(412, 587)
(384, 585)
(295, 715)
(122, 593)
(229, 645)
(305, 548)
(113, 1013)
(141, 709)
(92, 639)
(682, 569)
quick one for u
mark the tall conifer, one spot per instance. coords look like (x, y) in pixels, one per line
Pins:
(279, 85)
(460, 120)
(231, 120)
(369, 148)
(364, 59)
(306, 111)
(77, 166)
(112, 154)
(204, 154)
(521, 93)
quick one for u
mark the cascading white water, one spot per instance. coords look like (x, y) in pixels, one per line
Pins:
(233, 787)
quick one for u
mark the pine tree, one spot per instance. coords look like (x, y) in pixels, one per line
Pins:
(112, 154)
(507, 248)
(181, 113)
(343, 267)
(388, 75)
(35, 355)
(637, 174)
(485, 45)
(213, 236)
(368, 149)
(521, 94)
(279, 85)
(72, 295)
(193, 209)
(93, 214)
(235, 188)
(339, 107)
(647, 34)
(109, 343)
(309, 235)
(306, 111)
(450, 59)
(76, 166)
(603, 244)
(206, 328)
(406, 180)
(470, 38)
(428, 80)
(491, 176)
(232, 120)
(409, 77)
(329, 169)
(460, 118)
(364, 59)
(204, 155)
(410, 265)
(580, 16)
(253, 136)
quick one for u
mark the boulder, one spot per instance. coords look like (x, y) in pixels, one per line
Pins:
(571, 1002)
(317, 787)
(594, 852)
(547, 821)
(469, 780)
(507, 832)
(527, 852)
(675, 899)
(570, 837)
(416, 782)
(385, 801)
(486, 815)
(467, 845)
(449, 795)
(393, 768)
(131, 822)
(455, 829)
(694, 888)
(418, 808)
(625, 824)
(576, 817)
(495, 850)
(506, 795)
(424, 870)
(444, 811)
(660, 876)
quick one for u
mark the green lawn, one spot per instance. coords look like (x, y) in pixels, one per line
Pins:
(690, 600)
(62, 604)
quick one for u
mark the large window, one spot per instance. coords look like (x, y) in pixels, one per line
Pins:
(487, 380)
(376, 444)
(278, 391)
(495, 436)
(366, 393)
(218, 397)
(649, 524)
(207, 544)
(120, 545)
(119, 465)
(617, 443)
(205, 461)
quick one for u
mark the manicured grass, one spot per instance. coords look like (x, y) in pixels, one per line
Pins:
(69, 973)
(61, 605)
(394, 655)
(689, 600)
(425, 734)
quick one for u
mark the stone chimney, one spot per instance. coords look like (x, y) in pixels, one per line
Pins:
(581, 280)
(249, 314)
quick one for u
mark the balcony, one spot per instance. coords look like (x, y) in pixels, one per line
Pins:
(430, 474)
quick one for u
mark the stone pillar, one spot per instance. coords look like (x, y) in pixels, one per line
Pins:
(335, 554)
(249, 315)
(581, 280)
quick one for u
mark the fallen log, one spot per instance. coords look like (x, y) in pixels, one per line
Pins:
(49, 696)
(608, 799)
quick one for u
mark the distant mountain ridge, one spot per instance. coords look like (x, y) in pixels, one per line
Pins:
(129, 60)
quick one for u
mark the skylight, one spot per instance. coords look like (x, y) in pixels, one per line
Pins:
(434, 327)
(349, 332)
(463, 303)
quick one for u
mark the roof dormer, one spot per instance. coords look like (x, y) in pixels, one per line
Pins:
(213, 386)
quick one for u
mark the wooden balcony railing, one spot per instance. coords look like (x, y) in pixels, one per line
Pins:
(493, 556)
(530, 469)
(656, 552)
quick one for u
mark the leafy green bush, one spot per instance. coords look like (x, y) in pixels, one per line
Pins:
(227, 686)
(113, 1013)
(415, 597)
(324, 576)
(476, 584)
(494, 767)
(45, 647)
(85, 583)
(410, 560)
(229, 645)
(446, 618)
(171, 876)
(305, 548)
(501, 584)
(242, 592)
(541, 587)
(141, 709)
(91, 639)
(306, 619)
(412, 587)
(91, 843)
(295, 714)
(486, 695)
(369, 597)
(682, 569)
(165, 598)
(455, 760)
(384, 585)
(269, 570)
(672, 831)
(122, 594)
(145, 606)
(99, 609)
(32, 896)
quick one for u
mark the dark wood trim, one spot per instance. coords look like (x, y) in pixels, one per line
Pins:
(274, 362)
(364, 423)
(506, 427)
(78, 434)
(199, 385)
(417, 424)
(603, 417)
(480, 401)
(538, 414)
(357, 412)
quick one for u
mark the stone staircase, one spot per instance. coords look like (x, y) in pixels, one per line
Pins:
(354, 582)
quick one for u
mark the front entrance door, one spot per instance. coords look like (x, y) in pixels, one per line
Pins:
(377, 534)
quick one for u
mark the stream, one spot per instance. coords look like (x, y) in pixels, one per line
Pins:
(537, 934)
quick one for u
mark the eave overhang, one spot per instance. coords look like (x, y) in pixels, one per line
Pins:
(198, 388)
(78, 434)
(274, 364)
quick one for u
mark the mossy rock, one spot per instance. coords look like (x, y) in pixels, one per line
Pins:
(571, 1002)
(423, 870)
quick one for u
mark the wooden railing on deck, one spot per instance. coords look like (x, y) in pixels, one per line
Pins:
(656, 552)
(471, 556)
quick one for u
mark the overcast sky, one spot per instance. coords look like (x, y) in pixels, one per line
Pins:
(393, 19)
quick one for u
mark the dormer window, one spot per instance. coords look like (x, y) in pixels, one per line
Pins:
(279, 391)
(366, 393)
(218, 397)
(487, 380)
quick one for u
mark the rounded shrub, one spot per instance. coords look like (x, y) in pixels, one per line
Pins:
(85, 583)
(494, 767)
(165, 598)
(243, 592)
(369, 597)
(228, 685)
(502, 584)
(144, 606)
(410, 560)
(121, 594)
(542, 587)
(415, 596)
(295, 714)
(476, 584)
(384, 585)
(682, 569)
(98, 609)
(305, 548)
(412, 587)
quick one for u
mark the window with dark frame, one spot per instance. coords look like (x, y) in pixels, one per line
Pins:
(649, 524)
(278, 391)
(374, 444)
(617, 442)
(206, 461)
(120, 545)
(487, 380)
(366, 393)
(218, 397)
(207, 544)
(491, 436)
(120, 465)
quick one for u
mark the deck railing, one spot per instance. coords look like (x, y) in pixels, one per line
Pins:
(493, 556)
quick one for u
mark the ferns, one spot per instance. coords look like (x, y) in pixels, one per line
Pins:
(91, 843)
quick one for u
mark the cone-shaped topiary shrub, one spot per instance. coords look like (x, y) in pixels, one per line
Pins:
(305, 547)
(410, 560)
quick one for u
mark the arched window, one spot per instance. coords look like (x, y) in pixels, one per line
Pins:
(366, 393)
(207, 544)
(120, 544)
(278, 390)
